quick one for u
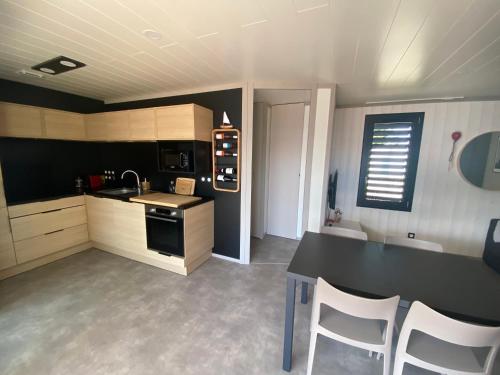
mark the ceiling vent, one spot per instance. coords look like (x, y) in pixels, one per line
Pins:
(58, 65)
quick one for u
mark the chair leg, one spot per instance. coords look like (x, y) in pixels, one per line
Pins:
(312, 349)
(398, 366)
(370, 353)
(379, 355)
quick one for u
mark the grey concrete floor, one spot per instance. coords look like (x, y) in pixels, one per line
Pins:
(97, 313)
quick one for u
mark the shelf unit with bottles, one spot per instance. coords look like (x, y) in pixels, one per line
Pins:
(226, 159)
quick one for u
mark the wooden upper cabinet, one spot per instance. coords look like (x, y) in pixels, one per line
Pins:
(142, 124)
(64, 125)
(95, 127)
(117, 126)
(20, 121)
(184, 122)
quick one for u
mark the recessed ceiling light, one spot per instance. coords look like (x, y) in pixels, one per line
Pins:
(58, 65)
(70, 64)
(152, 34)
(47, 70)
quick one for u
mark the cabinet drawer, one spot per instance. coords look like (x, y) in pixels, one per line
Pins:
(35, 225)
(38, 207)
(46, 244)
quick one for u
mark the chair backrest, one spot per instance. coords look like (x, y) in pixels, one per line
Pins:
(411, 242)
(424, 319)
(380, 309)
(345, 232)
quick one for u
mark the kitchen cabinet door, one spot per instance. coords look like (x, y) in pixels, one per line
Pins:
(95, 127)
(64, 125)
(20, 121)
(117, 126)
(100, 220)
(175, 122)
(7, 255)
(129, 227)
(142, 124)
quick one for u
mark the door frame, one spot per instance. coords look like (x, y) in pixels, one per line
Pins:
(246, 154)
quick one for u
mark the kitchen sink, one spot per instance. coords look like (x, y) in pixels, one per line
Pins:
(119, 191)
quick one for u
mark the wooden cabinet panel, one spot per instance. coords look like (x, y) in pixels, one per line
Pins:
(64, 125)
(2, 192)
(44, 206)
(129, 232)
(36, 247)
(175, 122)
(203, 123)
(198, 231)
(100, 219)
(118, 224)
(20, 121)
(142, 124)
(35, 225)
(95, 127)
(7, 255)
(117, 126)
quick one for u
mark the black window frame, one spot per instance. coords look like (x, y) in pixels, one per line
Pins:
(417, 119)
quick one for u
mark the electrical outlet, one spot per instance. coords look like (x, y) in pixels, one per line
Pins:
(411, 235)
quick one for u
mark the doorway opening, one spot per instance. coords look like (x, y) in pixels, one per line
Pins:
(279, 173)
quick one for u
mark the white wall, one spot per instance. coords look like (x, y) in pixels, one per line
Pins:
(446, 209)
(325, 105)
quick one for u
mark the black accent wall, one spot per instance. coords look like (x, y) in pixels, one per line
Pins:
(36, 169)
(21, 93)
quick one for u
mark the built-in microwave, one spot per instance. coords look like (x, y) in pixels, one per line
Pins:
(176, 156)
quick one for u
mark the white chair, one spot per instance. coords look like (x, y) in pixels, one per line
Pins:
(437, 343)
(356, 321)
(345, 232)
(411, 242)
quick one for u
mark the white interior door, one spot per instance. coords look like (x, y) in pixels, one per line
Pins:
(287, 121)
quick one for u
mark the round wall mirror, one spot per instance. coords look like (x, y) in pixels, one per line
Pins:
(479, 161)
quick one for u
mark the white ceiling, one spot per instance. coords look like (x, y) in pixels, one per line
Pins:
(373, 49)
(276, 97)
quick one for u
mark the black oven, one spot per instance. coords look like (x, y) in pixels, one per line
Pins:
(165, 230)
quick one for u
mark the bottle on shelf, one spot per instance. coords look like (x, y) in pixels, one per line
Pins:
(224, 178)
(225, 136)
(226, 170)
(227, 145)
(225, 153)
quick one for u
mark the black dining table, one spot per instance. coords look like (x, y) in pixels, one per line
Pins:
(457, 286)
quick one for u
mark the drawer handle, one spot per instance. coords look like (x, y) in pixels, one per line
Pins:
(46, 212)
(46, 234)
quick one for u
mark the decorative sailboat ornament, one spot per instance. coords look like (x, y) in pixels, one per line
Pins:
(226, 124)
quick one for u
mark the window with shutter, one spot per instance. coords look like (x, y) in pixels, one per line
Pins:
(389, 161)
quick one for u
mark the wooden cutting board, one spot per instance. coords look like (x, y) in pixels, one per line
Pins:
(184, 186)
(164, 199)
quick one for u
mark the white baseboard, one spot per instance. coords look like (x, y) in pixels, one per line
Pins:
(226, 258)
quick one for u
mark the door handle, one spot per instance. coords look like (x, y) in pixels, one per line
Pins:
(161, 218)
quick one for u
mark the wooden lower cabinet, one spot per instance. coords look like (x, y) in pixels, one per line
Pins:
(7, 255)
(120, 228)
(116, 223)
